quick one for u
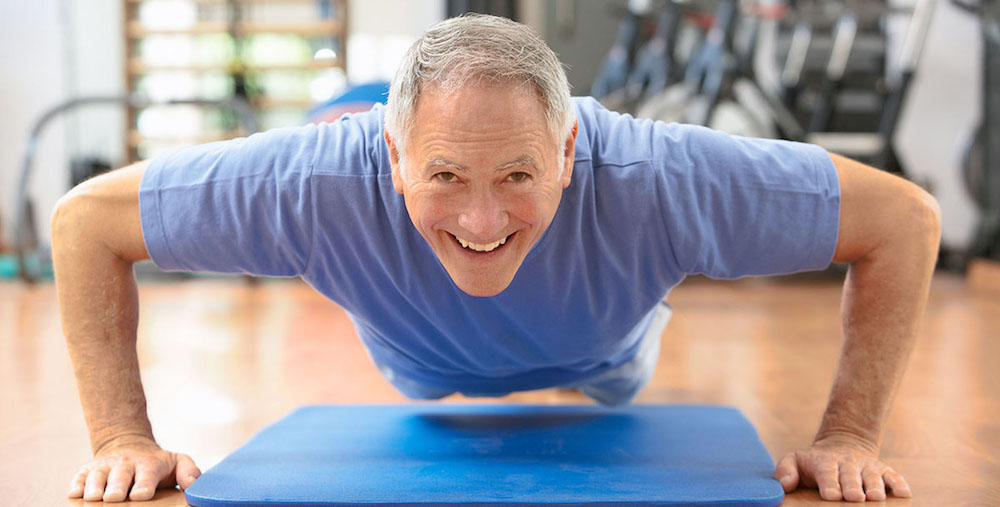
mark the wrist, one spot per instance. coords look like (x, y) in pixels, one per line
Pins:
(844, 423)
(135, 439)
(841, 438)
(128, 423)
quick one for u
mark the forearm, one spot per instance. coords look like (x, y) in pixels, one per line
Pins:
(883, 306)
(99, 306)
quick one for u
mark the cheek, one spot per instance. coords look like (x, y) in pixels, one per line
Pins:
(427, 208)
(533, 207)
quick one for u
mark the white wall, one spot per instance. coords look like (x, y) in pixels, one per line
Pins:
(96, 69)
(31, 79)
(381, 31)
(940, 114)
(56, 49)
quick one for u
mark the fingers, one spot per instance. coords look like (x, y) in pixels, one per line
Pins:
(897, 483)
(118, 482)
(787, 473)
(869, 484)
(96, 480)
(147, 476)
(187, 471)
(846, 474)
(874, 487)
(76, 485)
(850, 482)
(828, 480)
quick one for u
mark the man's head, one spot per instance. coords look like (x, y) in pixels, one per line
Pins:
(481, 134)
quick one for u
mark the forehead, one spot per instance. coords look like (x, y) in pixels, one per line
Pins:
(480, 113)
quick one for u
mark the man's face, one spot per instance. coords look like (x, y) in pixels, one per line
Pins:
(482, 180)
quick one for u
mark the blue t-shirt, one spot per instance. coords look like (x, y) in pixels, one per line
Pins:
(649, 203)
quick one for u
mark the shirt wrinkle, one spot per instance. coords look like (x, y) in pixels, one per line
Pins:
(571, 320)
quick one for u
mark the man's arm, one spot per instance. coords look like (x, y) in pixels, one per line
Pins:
(889, 233)
(96, 237)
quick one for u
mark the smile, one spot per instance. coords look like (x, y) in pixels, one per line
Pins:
(483, 248)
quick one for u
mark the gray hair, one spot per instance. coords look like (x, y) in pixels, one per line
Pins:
(478, 48)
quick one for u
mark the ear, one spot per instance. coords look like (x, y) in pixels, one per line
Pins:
(397, 176)
(569, 153)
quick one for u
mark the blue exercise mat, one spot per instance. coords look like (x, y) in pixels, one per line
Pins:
(475, 455)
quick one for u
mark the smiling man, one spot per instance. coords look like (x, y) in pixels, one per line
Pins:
(487, 234)
(483, 180)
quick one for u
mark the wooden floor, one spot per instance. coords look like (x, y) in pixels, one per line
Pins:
(222, 359)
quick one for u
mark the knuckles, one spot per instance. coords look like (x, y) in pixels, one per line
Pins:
(108, 463)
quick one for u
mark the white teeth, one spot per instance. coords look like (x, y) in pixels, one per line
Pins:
(488, 247)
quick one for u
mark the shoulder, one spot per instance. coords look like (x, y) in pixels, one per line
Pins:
(609, 138)
(353, 145)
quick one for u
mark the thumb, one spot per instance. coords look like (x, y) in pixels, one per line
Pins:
(787, 472)
(187, 471)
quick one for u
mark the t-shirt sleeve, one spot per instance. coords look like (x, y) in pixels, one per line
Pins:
(238, 206)
(735, 206)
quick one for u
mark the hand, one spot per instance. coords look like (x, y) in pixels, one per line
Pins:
(129, 460)
(841, 468)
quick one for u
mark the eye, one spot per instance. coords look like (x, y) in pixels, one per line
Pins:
(446, 177)
(518, 176)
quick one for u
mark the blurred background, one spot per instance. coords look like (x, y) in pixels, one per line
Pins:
(909, 86)
(92, 85)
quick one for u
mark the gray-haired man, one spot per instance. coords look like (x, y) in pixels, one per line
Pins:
(488, 234)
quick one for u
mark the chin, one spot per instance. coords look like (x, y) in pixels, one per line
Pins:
(480, 288)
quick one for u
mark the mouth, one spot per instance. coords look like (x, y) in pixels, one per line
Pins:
(478, 249)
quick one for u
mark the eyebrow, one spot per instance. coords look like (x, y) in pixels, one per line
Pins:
(441, 162)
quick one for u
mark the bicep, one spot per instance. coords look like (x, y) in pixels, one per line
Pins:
(747, 207)
(106, 209)
(875, 208)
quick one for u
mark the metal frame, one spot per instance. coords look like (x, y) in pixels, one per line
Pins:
(24, 230)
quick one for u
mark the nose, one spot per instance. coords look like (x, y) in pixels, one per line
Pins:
(483, 215)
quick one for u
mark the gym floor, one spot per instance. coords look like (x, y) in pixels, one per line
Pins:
(223, 358)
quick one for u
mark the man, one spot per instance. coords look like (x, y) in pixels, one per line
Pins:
(497, 236)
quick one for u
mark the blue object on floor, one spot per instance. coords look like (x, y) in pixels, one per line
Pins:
(475, 455)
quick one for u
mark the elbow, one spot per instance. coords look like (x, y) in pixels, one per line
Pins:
(69, 216)
(928, 218)
(920, 225)
(65, 220)
(101, 214)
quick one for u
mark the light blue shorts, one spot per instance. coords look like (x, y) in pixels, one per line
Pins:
(614, 387)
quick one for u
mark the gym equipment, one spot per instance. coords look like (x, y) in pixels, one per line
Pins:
(795, 60)
(614, 71)
(835, 60)
(719, 88)
(843, 41)
(841, 83)
(476, 455)
(31, 264)
(876, 148)
(693, 99)
(981, 165)
(655, 66)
